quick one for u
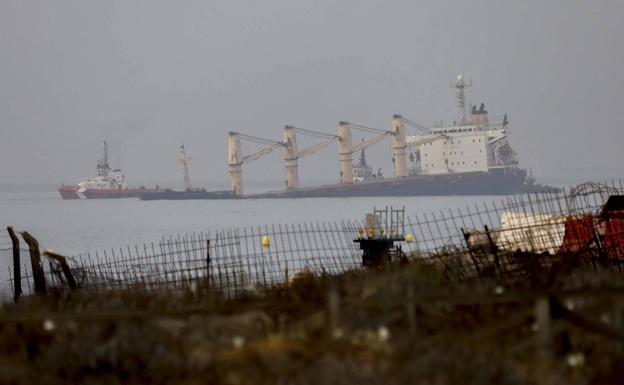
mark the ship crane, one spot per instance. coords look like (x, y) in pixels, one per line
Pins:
(346, 148)
(236, 158)
(184, 162)
(292, 154)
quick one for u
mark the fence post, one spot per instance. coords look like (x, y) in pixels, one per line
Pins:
(35, 260)
(331, 311)
(544, 327)
(17, 272)
(65, 267)
(474, 261)
(493, 247)
(208, 263)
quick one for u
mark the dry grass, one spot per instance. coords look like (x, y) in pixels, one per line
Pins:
(279, 335)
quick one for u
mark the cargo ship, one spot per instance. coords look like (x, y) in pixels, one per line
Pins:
(108, 183)
(469, 156)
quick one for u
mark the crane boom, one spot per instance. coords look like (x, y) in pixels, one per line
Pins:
(430, 139)
(319, 146)
(260, 153)
(371, 141)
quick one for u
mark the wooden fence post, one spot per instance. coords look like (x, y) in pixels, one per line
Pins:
(35, 260)
(544, 327)
(17, 271)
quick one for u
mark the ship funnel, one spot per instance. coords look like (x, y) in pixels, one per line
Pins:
(480, 115)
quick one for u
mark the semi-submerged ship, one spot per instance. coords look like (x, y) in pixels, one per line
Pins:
(469, 156)
(189, 191)
(108, 183)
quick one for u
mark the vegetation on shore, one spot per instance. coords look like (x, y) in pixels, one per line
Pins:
(414, 323)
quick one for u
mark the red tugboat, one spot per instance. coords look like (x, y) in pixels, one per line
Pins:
(107, 184)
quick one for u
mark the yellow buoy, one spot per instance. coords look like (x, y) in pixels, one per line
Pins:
(371, 232)
(266, 241)
(409, 238)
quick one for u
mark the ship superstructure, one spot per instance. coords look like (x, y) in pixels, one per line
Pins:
(472, 144)
(106, 178)
(362, 171)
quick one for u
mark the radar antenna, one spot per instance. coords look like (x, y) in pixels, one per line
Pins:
(461, 84)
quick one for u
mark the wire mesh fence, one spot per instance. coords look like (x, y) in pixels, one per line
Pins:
(233, 260)
(532, 223)
(578, 223)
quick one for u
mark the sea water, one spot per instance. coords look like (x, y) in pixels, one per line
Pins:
(72, 227)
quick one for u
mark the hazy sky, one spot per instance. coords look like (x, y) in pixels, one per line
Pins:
(146, 75)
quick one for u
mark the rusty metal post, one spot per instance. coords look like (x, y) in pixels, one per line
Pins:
(17, 272)
(493, 247)
(71, 282)
(35, 260)
(208, 262)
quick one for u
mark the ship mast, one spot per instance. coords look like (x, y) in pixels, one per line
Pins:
(460, 84)
(105, 160)
(184, 162)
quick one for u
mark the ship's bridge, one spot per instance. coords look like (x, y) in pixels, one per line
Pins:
(458, 148)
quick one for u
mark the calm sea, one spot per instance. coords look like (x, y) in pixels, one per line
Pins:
(77, 226)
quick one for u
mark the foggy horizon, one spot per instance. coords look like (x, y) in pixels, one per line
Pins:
(148, 75)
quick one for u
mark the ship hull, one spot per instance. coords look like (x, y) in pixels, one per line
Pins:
(187, 195)
(69, 192)
(117, 193)
(493, 182)
(73, 192)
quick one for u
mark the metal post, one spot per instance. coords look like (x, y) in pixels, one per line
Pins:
(208, 262)
(17, 275)
(71, 282)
